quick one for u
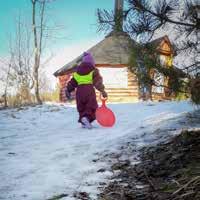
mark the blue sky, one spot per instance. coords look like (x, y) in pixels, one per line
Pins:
(77, 18)
(79, 29)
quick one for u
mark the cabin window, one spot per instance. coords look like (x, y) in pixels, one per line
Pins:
(166, 60)
(114, 77)
(162, 60)
(169, 61)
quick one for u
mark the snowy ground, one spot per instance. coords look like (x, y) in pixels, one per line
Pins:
(44, 151)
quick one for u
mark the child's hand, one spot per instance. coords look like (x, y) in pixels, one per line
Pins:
(68, 94)
(104, 94)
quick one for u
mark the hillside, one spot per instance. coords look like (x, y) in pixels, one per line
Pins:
(45, 154)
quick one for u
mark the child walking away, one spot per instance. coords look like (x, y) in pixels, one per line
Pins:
(85, 79)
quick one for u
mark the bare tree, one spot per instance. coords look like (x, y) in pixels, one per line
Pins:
(26, 45)
(40, 31)
(16, 71)
(21, 63)
(5, 79)
(38, 39)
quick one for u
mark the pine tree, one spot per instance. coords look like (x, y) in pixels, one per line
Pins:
(143, 19)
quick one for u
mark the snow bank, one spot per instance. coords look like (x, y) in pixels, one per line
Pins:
(44, 151)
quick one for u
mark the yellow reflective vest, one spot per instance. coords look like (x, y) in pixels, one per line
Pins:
(83, 79)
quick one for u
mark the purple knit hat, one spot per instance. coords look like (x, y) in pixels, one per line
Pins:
(88, 58)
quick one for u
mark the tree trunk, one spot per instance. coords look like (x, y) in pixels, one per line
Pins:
(5, 100)
(6, 87)
(37, 55)
(36, 80)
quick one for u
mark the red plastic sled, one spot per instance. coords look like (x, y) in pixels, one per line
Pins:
(104, 116)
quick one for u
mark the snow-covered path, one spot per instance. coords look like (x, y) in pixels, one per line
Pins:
(44, 151)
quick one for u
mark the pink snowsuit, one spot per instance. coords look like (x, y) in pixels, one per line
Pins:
(85, 94)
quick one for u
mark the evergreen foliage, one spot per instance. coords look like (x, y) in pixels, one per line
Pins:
(143, 19)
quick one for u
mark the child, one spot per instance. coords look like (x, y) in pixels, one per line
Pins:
(85, 79)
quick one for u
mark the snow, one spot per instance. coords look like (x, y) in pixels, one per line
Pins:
(44, 151)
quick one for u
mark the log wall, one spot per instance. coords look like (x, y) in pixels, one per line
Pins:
(126, 94)
(63, 80)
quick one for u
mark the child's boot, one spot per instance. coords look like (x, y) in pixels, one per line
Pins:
(86, 123)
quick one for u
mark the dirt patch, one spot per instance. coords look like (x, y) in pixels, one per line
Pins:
(168, 171)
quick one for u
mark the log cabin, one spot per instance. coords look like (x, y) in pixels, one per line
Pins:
(111, 57)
